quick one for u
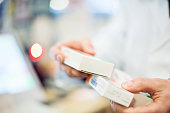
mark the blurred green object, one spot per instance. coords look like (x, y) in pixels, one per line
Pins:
(148, 95)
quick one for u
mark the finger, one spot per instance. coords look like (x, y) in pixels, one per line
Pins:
(60, 58)
(116, 107)
(141, 85)
(84, 75)
(66, 69)
(88, 48)
(73, 44)
(83, 45)
(72, 72)
(151, 108)
(56, 50)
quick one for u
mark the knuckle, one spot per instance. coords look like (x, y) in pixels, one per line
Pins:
(67, 70)
(69, 73)
(138, 81)
(159, 82)
(83, 74)
(76, 73)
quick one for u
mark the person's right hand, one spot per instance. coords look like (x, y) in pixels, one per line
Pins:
(83, 45)
(159, 89)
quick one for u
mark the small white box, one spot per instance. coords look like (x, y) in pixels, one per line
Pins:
(86, 63)
(110, 90)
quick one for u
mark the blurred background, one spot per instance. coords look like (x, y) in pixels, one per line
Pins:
(47, 22)
(39, 24)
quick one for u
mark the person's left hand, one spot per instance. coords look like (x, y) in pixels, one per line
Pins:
(159, 89)
(84, 45)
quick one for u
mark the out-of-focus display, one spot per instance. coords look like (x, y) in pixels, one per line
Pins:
(15, 76)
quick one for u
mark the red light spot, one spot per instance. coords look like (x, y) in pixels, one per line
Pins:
(36, 51)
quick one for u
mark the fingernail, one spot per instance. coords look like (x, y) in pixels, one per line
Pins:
(59, 58)
(111, 102)
(127, 84)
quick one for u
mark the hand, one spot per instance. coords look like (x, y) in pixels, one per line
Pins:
(83, 45)
(159, 89)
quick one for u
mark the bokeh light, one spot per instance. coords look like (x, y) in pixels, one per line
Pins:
(36, 50)
(59, 4)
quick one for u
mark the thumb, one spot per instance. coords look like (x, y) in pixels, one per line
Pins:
(140, 85)
(88, 48)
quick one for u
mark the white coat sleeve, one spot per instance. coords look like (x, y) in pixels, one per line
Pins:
(159, 59)
(110, 42)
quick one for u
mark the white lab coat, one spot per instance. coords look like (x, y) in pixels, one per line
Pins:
(137, 41)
